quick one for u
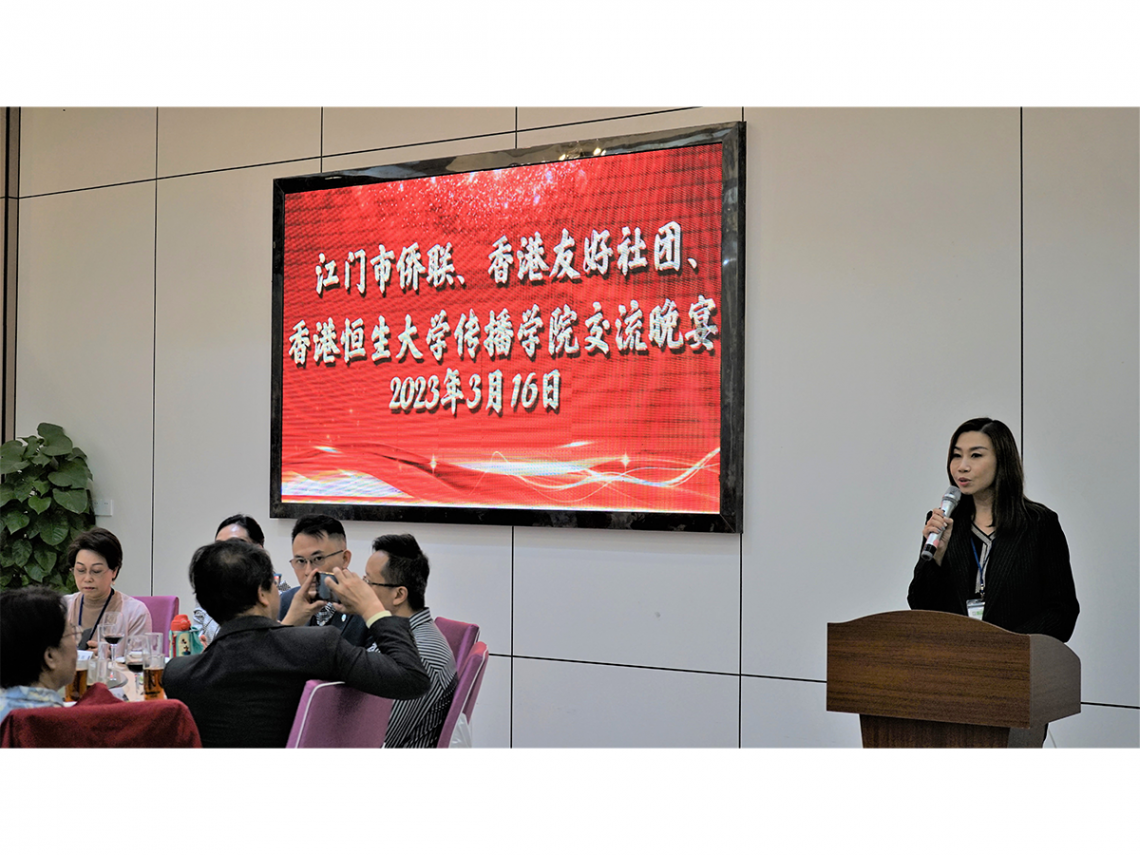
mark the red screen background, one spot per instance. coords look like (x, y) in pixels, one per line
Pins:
(633, 431)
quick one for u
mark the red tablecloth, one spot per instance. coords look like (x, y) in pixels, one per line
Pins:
(100, 720)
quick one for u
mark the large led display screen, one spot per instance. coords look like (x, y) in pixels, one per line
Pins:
(549, 336)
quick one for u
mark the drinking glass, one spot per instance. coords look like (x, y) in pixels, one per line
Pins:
(155, 664)
(78, 684)
(112, 628)
(137, 658)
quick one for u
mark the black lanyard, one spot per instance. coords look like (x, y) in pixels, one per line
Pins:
(981, 566)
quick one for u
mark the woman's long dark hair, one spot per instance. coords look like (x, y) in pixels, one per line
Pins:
(1012, 511)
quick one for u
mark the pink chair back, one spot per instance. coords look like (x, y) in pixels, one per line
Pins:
(162, 611)
(470, 680)
(461, 637)
(333, 715)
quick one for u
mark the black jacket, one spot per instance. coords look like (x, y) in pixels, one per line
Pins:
(1029, 583)
(244, 689)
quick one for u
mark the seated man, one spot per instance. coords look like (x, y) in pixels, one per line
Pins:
(236, 527)
(38, 649)
(398, 570)
(319, 544)
(244, 689)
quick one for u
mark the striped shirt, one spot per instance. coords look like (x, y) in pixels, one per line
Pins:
(417, 723)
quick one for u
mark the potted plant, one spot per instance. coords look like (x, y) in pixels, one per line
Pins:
(45, 501)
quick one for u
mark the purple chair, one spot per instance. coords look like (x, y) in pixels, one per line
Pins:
(333, 715)
(460, 636)
(466, 693)
(162, 611)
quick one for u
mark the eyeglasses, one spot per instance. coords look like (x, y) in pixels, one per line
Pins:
(316, 560)
(86, 571)
(74, 631)
(382, 584)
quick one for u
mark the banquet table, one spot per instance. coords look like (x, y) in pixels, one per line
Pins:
(101, 720)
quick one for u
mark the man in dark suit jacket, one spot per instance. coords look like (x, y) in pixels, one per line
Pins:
(244, 689)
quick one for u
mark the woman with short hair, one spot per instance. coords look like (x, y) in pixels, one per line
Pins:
(95, 558)
(37, 649)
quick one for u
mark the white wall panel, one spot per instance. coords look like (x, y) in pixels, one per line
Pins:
(470, 577)
(71, 148)
(576, 705)
(882, 311)
(86, 346)
(1082, 371)
(491, 717)
(428, 151)
(213, 334)
(541, 117)
(197, 139)
(351, 129)
(666, 599)
(617, 126)
(1096, 727)
(792, 714)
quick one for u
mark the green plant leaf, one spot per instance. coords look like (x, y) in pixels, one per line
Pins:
(6, 493)
(12, 464)
(46, 429)
(73, 500)
(21, 552)
(45, 557)
(57, 446)
(12, 449)
(34, 572)
(72, 473)
(21, 488)
(14, 520)
(39, 504)
(54, 531)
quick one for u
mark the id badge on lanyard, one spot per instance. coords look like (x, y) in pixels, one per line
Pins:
(975, 608)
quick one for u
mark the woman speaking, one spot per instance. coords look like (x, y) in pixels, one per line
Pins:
(1000, 556)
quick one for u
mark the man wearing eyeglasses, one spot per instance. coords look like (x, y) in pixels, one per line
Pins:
(319, 543)
(244, 689)
(398, 572)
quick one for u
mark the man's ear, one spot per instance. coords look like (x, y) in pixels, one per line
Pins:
(400, 596)
(347, 558)
(263, 597)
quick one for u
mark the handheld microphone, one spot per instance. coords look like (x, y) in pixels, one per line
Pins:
(950, 501)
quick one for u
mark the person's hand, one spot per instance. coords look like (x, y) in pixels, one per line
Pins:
(305, 602)
(356, 596)
(938, 522)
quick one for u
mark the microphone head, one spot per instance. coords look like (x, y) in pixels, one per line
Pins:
(951, 498)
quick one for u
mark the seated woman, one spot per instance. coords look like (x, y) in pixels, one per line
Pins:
(96, 556)
(237, 527)
(37, 649)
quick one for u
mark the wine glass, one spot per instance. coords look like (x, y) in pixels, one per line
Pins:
(112, 628)
(136, 656)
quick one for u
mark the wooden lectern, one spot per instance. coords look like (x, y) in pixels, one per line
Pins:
(923, 679)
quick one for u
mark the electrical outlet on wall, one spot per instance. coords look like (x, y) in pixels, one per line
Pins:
(104, 507)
